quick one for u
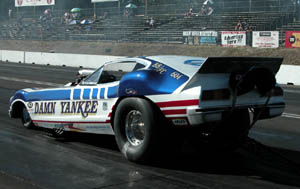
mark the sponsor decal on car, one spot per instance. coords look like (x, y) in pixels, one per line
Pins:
(85, 108)
(180, 122)
(160, 68)
(44, 108)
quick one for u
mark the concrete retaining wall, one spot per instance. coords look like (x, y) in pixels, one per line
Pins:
(287, 74)
(58, 59)
(13, 56)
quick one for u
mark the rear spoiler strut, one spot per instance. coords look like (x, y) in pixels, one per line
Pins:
(239, 64)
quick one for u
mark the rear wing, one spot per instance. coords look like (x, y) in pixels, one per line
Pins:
(239, 64)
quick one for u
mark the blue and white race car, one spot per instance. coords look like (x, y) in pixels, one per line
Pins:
(143, 100)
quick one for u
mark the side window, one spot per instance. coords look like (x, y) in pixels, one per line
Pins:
(115, 71)
(93, 78)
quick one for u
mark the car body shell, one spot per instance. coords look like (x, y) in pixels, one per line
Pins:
(174, 84)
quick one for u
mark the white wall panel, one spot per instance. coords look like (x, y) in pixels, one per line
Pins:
(12, 56)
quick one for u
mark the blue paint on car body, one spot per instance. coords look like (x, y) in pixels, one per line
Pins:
(95, 93)
(195, 62)
(112, 92)
(76, 94)
(86, 93)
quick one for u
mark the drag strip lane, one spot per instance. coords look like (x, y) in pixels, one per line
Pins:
(93, 161)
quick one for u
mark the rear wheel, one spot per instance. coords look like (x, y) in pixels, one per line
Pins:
(136, 125)
(26, 119)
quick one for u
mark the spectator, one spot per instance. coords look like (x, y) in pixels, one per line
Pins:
(210, 10)
(67, 18)
(126, 13)
(190, 12)
(9, 13)
(76, 16)
(151, 22)
(105, 15)
(239, 26)
(208, 2)
(245, 25)
(19, 23)
(202, 10)
(47, 13)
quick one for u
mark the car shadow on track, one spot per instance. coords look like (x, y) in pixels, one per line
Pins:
(252, 159)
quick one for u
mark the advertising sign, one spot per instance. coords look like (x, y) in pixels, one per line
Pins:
(265, 39)
(233, 38)
(27, 3)
(208, 37)
(100, 1)
(187, 37)
(200, 37)
(292, 39)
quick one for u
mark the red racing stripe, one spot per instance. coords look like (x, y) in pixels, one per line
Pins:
(178, 103)
(174, 112)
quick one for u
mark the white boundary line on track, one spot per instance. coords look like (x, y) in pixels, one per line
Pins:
(291, 91)
(295, 116)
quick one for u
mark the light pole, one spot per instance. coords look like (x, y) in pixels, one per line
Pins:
(146, 7)
(250, 5)
(119, 7)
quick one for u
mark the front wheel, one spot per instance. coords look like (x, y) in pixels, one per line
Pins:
(136, 125)
(26, 119)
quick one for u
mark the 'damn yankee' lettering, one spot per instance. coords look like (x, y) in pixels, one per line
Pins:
(44, 108)
(83, 107)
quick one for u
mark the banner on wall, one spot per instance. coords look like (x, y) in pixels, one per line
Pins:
(208, 37)
(200, 37)
(265, 39)
(28, 3)
(99, 1)
(233, 38)
(292, 39)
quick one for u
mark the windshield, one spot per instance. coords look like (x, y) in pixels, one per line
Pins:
(93, 78)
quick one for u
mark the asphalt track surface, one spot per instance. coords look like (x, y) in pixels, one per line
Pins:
(31, 159)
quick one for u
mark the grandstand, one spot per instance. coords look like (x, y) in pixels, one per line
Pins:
(170, 22)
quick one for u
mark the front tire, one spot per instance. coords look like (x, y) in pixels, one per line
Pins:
(136, 125)
(26, 119)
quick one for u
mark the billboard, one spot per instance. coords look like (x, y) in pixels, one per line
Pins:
(208, 37)
(265, 39)
(200, 37)
(100, 1)
(292, 39)
(27, 3)
(233, 38)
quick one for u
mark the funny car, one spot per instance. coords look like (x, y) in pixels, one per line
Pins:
(142, 100)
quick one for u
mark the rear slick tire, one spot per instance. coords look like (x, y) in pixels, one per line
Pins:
(136, 125)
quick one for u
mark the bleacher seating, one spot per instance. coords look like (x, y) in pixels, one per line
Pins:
(168, 28)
